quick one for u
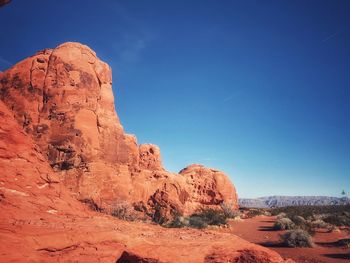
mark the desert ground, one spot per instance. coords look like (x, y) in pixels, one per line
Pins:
(259, 230)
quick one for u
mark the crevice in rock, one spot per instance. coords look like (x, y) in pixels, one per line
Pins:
(64, 249)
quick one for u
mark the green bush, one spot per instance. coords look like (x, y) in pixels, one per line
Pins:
(297, 238)
(284, 224)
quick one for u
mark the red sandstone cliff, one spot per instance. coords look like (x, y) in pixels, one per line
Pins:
(63, 99)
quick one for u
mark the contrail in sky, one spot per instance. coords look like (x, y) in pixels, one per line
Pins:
(332, 36)
(5, 61)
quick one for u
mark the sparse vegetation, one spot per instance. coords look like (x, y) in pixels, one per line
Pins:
(253, 212)
(319, 223)
(201, 219)
(297, 238)
(91, 204)
(310, 211)
(284, 224)
(338, 220)
(124, 211)
(178, 222)
(229, 212)
(317, 216)
(301, 223)
(197, 222)
(281, 215)
(298, 220)
(212, 216)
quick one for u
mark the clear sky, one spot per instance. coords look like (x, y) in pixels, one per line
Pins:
(258, 89)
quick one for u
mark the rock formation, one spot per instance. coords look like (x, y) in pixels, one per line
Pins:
(150, 158)
(42, 222)
(63, 99)
(60, 140)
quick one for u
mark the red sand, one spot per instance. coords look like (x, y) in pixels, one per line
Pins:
(259, 230)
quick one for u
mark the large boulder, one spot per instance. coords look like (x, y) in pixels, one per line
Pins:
(209, 186)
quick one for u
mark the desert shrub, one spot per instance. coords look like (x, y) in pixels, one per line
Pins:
(315, 217)
(159, 215)
(211, 216)
(298, 220)
(253, 212)
(319, 223)
(123, 210)
(197, 222)
(297, 238)
(228, 210)
(178, 222)
(303, 224)
(267, 213)
(91, 204)
(201, 219)
(337, 220)
(284, 224)
(281, 215)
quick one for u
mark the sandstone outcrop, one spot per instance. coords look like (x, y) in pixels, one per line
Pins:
(209, 186)
(42, 222)
(63, 99)
(150, 157)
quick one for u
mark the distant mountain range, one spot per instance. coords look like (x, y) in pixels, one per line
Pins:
(280, 201)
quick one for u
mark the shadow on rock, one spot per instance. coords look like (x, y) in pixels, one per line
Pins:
(128, 257)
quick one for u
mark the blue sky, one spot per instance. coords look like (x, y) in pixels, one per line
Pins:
(258, 89)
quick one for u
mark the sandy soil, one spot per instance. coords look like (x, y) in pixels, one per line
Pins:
(259, 231)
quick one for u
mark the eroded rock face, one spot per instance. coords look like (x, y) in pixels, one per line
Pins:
(41, 221)
(63, 99)
(209, 186)
(150, 157)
